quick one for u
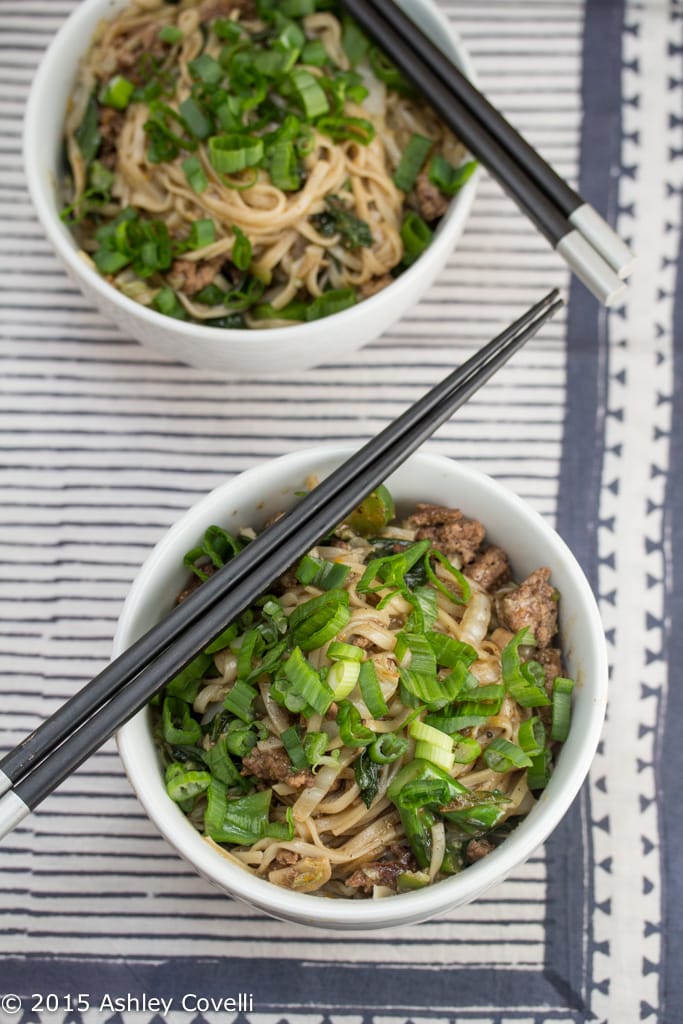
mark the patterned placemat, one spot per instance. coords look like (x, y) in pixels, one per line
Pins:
(103, 444)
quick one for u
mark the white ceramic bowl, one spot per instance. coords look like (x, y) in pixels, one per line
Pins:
(241, 352)
(249, 499)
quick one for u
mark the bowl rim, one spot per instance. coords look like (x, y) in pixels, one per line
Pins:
(425, 903)
(42, 189)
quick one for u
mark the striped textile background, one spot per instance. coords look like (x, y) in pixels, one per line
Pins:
(103, 444)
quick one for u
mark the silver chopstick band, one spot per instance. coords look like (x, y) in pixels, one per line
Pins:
(12, 811)
(591, 268)
(5, 783)
(592, 226)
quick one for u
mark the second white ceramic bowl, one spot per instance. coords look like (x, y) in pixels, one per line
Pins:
(236, 352)
(248, 500)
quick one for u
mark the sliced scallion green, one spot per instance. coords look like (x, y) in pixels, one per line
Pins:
(170, 34)
(117, 93)
(241, 249)
(231, 153)
(371, 691)
(449, 179)
(416, 235)
(502, 756)
(350, 723)
(342, 678)
(562, 708)
(194, 172)
(294, 747)
(412, 161)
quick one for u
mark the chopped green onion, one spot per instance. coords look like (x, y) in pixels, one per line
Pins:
(240, 699)
(562, 708)
(230, 153)
(354, 43)
(109, 261)
(318, 572)
(425, 609)
(194, 172)
(318, 620)
(283, 166)
(421, 783)
(165, 301)
(117, 93)
(221, 765)
(195, 118)
(218, 546)
(342, 678)
(436, 754)
(410, 881)
(371, 690)
(464, 595)
(315, 745)
(465, 748)
(449, 651)
(314, 53)
(453, 724)
(449, 179)
(387, 72)
(186, 684)
(421, 658)
(297, 8)
(538, 773)
(227, 30)
(415, 235)
(241, 249)
(306, 684)
(347, 129)
(240, 738)
(206, 69)
(351, 728)
(412, 162)
(295, 311)
(501, 756)
(243, 820)
(294, 747)
(311, 96)
(188, 785)
(179, 728)
(531, 736)
(347, 652)
(387, 748)
(88, 133)
(203, 233)
(475, 814)
(524, 680)
(170, 34)
(428, 734)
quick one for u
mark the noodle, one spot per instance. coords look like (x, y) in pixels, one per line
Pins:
(380, 720)
(234, 166)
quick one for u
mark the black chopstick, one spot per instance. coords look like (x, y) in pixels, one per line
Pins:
(362, 473)
(578, 212)
(585, 261)
(78, 708)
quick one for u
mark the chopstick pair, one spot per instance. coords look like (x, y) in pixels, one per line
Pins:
(573, 227)
(60, 745)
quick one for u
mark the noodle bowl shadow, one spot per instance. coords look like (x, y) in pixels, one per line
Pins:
(240, 352)
(248, 500)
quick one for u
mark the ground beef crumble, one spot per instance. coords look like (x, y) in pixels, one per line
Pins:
(534, 604)
(448, 530)
(274, 766)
